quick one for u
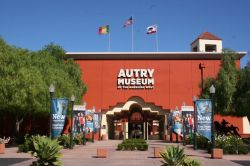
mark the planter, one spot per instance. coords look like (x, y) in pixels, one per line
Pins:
(217, 153)
(102, 153)
(2, 148)
(157, 151)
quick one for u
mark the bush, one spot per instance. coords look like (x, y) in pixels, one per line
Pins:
(190, 139)
(231, 144)
(64, 140)
(119, 147)
(243, 149)
(78, 139)
(145, 147)
(191, 162)
(46, 151)
(133, 144)
(202, 142)
(175, 156)
(28, 143)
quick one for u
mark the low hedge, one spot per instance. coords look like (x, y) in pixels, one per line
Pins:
(133, 144)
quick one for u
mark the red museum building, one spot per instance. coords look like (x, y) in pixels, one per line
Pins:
(135, 91)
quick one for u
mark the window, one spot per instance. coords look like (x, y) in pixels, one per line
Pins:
(210, 48)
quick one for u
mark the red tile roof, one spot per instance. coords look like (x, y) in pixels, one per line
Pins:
(207, 36)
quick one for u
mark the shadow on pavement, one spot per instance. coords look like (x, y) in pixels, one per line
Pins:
(242, 162)
(10, 161)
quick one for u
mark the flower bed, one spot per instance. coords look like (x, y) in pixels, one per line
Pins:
(231, 144)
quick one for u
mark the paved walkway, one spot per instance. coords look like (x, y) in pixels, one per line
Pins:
(86, 156)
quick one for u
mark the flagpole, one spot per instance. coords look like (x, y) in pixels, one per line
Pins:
(156, 38)
(132, 35)
(109, 42)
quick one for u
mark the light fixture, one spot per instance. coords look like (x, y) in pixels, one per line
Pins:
(51, 88)
(212, 89)
(72, 98)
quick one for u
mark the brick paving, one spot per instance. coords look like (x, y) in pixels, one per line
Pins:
(86, 156)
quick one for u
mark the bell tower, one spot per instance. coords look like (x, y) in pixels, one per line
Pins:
(207, 42)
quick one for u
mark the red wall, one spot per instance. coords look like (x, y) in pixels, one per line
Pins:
(176, 81)
(232, 120)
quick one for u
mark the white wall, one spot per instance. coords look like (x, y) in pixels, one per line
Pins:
(246, 125)
(203, 42)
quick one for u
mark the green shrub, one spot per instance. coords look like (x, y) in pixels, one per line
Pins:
(189, 139)
(202, 142)
(175, 156)
(231, 144)
(133, 144)
(46, 151)
(243, 149)
(191, 162)
(28, 143)
(126, 146)
(145, 147)
(119, 147)
(64, 140)
(78, 139)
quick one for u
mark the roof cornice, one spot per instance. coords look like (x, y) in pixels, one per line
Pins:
(148, 55)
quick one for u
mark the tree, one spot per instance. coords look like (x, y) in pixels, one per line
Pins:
(208, 82)
(242, 95)
(226, 83)
(26, 76)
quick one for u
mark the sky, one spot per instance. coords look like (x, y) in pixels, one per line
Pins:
(73, 24)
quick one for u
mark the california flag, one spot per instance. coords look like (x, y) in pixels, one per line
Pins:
(152, 29)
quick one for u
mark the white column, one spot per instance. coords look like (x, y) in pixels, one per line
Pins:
(147, 130)
(144, 130)
(165, 127)
(126, 126)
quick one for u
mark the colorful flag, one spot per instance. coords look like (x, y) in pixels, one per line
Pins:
(128, 22)
(103, 30)
(152, 29)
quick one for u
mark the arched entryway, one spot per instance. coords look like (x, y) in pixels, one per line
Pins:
(135, 122)
(135, 119)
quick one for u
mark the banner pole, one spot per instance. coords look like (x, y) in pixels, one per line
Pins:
(132, 35)
(156, 38)
(109, 42)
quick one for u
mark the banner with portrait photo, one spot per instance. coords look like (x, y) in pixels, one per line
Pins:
(177, 122)
(188, 119)
(97, 121)
(78, 122)
(89, 120)
(204, 117)
(59, 109)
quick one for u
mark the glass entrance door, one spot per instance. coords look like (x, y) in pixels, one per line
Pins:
(136, 130)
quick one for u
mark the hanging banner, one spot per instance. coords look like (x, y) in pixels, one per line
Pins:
(204, 117)
(78, 122)
(96, 120)
(177, 122)
(59, 109)
(188, 119)
(89, 120)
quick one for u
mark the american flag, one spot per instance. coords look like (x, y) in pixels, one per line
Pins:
(128, 22)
